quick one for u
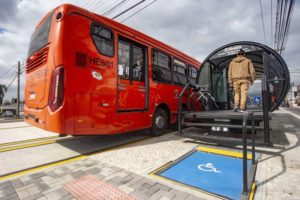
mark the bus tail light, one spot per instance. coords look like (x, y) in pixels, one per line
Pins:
(56, 95)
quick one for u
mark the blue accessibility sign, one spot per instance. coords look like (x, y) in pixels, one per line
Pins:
(218, 174)
(257, 99)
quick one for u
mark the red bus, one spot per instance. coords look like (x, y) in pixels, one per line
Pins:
(87, 74)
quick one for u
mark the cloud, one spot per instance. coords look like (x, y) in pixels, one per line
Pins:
(2, 30)
(8, 10)
(194, 27)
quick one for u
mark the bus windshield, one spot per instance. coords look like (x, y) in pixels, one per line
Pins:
(40, 36)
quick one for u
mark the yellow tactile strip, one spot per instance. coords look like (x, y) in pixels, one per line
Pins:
(224, 152)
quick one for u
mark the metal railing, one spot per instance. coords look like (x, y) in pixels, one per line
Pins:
(187, 86)
(245, 147)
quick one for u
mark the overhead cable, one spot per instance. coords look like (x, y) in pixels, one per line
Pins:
(139, 11)
(262, 21)
(125, 11)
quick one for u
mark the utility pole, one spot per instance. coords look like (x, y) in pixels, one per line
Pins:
(18, 95)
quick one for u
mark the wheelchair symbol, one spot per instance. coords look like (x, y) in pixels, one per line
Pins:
(209, 167)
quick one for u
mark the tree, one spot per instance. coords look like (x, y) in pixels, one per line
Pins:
(3, 89)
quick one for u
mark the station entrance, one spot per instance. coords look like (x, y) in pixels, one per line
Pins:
(216, 96)
(269, 66)
(212, 88)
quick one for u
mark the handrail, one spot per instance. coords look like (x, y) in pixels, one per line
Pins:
(245, 172)
(187, 86)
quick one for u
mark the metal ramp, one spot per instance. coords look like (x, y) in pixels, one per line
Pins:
(220, 121)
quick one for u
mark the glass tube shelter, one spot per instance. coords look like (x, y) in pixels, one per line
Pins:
(271, 72)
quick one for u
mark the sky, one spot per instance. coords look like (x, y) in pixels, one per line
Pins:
(196, 27)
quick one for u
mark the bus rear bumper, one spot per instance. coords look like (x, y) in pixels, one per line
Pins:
(44, 119)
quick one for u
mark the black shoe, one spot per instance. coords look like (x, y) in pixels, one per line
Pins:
(236, 109)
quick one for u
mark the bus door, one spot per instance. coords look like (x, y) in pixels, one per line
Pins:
(132, 89)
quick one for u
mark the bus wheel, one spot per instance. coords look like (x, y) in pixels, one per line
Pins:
(159, 122)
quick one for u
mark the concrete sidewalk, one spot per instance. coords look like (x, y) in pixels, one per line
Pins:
(125, 170)
(278, 174)
(52, 183)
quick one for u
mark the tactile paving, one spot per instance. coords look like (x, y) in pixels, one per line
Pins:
(89, 187)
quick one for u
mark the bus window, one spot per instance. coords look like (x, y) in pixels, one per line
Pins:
(123, 60)
(137, 63)
(40, 37)
(103, 39)
(131, 65)
(179, 76)
(192, 74)
(161, 71)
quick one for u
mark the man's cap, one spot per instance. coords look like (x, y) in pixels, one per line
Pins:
(241, 52)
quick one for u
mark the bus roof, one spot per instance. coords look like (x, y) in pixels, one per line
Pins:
(132, 32)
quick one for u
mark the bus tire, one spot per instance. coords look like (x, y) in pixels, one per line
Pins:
(159, 122)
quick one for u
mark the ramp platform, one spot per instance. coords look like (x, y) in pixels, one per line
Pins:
(218, 172)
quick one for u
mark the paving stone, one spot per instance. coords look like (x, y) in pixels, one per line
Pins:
(190, 197)
(38, 175)
(58, 183)
(47, 178)
(25, 179)
(72, 167)
(100, 176)
(35, 196)
(139, 195)
(68, 178)
(43, 198)
(163, 187)
(107, 172)
(126, 188)
(64, 168)
(126, 180)
(178, 195)
(33, 190)
(77, 165)
(168, 194)
(68, 197)
(164, 198)
(17, 183)
(5, 184)
(112, 176)
(37, 180)
(93, 170)
(115, 182)
(154, 189)
(11, 196)
(62, 192)
(23, 194)
(51, 190)
(58, 171)
(89, 164)
(53, 196)
(157, 195)
(1, 194)
(9, 190)
(51, 180)
(77, 174)
(136, 181)
(52, 174)
(25, 187)
(42, 186)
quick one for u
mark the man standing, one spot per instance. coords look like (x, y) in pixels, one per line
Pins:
(241, 74)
